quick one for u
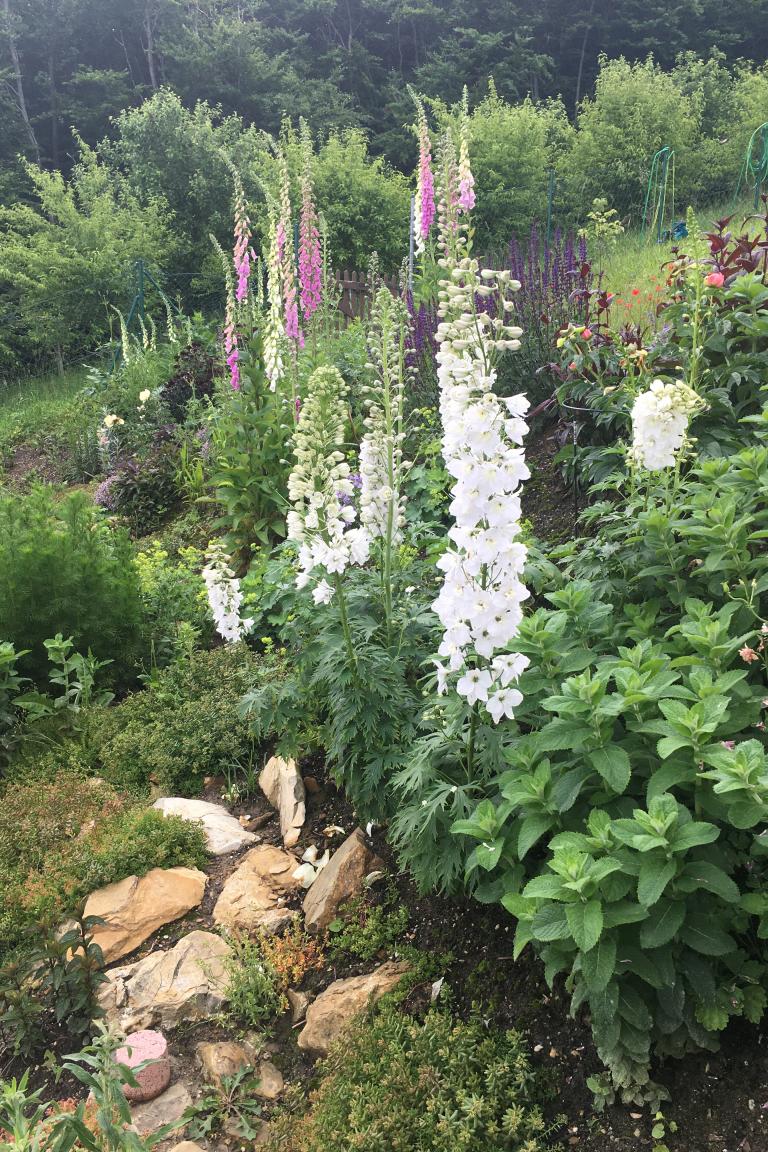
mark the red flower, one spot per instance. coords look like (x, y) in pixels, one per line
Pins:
(635, 291)
(715, 280)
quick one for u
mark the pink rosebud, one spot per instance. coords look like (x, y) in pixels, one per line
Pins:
(587, 334)
(715, 280)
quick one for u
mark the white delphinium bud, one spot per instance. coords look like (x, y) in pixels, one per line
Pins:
(320, 488)
(480, 603)
(660, 419)
(224, 595)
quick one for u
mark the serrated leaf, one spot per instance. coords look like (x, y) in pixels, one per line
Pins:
(713, 879)
(613, 765)
(550, 923)
(745, 814)
(664, 922)
(712, 1015)
(489, 854)
(586, 923)
(655, 874)
(532, 829)
(599, 963)
(703, 935)
(694, 834)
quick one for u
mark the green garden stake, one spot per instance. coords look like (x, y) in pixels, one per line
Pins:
(660, 193)
(754, 170)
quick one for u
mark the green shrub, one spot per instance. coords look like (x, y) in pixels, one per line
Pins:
(396, 1084)
(183, 726)
(636, 109)
(622, 826)
(64, 256)
(62, 569)
(66, 836)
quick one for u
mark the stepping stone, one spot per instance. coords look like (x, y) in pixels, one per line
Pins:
(340, 880)
(284, 788)
(223, 833)
(165, 1109)
(187, 982)
(156, 1076)
(254, 895)
(329, 1015)
(135, 908)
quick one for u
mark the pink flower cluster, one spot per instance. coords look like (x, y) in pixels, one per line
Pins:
(426, 182)
(288, 270)
(242, 252)
(310, 262)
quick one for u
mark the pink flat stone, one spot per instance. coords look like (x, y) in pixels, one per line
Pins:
(156, 1076)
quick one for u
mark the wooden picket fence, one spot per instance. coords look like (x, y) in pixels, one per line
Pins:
(355, 301)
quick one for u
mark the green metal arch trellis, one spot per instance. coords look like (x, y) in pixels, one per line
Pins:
(754, 170)
(660, 192)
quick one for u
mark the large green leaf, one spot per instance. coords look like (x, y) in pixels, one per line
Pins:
(663, 923)
(655, 874)
(599, 963)
(586, 923)
(532, 829)
(550, 923)
(700, 874)
(702, 934)
(613, 765)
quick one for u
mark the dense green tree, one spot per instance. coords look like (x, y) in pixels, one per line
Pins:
(66, 259)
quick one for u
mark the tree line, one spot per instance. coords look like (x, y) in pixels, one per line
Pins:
(74, 64)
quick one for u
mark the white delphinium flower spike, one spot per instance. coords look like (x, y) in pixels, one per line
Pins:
(224, 595)
(480, 603)
(660, 420)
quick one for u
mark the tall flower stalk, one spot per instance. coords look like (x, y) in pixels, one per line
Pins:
(242, 251)
(480, 602)
(466, 179)
(382, 503)
(231, 348)
(425, 182)
(274, 330)
(288, 258)
(320, 489)
(310, 257)
(224, 595)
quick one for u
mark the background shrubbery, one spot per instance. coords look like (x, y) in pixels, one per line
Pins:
(63, 570)
(184, 726)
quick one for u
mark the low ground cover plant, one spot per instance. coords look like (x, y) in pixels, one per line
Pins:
(64, 835)
(401, 1084)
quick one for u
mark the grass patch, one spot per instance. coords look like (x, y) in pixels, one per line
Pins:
(31, 409)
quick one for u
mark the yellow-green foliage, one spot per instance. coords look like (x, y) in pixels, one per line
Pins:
(395, 1084)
